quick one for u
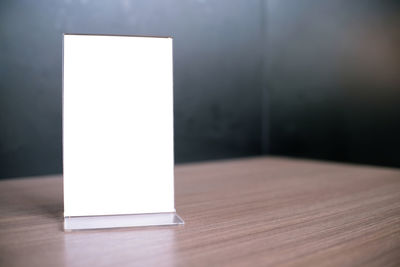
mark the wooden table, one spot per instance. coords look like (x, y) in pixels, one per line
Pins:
(256, 212)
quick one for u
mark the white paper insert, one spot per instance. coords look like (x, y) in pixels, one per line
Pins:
(117, 125)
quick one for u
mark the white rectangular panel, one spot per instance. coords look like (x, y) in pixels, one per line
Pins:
(117, 125)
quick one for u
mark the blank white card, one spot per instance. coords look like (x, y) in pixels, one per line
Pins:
(117, 125)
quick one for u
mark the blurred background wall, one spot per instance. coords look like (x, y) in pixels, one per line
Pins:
(217, 74)
(306, 78)
(333, 79)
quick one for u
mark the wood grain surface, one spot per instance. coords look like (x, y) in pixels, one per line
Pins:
(249, 212)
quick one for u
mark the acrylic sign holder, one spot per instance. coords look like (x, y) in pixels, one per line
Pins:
(118, 155)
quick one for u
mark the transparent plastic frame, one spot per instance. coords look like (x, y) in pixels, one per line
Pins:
(121, 221)
(131, 212)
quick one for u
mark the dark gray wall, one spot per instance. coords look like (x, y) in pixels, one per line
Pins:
(217, 75)
(333, 84)
(308, 78)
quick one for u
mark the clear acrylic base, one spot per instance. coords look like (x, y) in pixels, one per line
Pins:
(119, 221)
